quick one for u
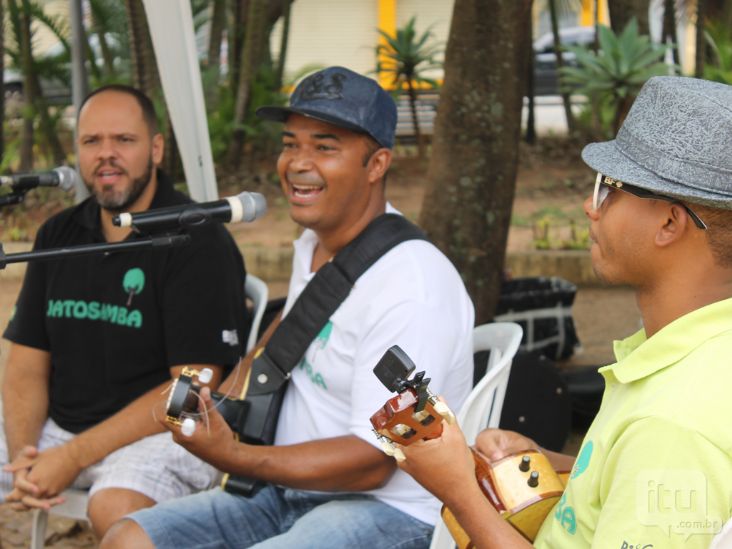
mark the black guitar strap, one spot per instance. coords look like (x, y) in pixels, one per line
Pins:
(311, 311)
(322, 296)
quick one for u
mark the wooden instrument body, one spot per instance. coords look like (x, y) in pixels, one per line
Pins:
(522, 487)
(183, 402)
(506, 484)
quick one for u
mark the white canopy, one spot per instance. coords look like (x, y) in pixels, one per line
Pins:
(173, 37)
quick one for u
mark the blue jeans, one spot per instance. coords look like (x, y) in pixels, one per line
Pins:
(281, 518)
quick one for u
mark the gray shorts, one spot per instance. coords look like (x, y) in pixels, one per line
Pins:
(154, 466)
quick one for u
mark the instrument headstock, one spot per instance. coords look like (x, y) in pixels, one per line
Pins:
(183, 398)
(415, 413)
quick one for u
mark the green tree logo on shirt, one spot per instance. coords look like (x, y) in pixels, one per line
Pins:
(133, 283)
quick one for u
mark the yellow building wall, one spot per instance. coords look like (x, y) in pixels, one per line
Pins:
(330, 32)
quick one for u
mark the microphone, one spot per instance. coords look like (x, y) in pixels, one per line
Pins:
(243, 207)
(63, 177)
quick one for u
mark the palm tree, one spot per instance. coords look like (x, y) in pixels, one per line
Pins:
(622, 11)
(407, 57)
(22, 13)
(251, 59)
(144, 66)
(700, 49)
(560, 63)
(614, 75)
(2, 79)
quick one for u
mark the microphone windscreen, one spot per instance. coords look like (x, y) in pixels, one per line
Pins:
(253, 206)
(67, 177)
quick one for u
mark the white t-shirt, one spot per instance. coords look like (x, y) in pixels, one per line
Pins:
(412, 297)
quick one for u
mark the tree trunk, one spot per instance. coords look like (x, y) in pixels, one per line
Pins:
(412, 94)
(47, 127)
(566, 101)
(668, 32)
(144, 68)
(595, 25)
(467, 207)
(98, 26)
(700, 44)
(218, 24)
(2, 79)
(240, 9)
(727, 13)
(22, 38)
(286, 11)
(622, 11)
(530, 136)
(250, 63)
(213, 57)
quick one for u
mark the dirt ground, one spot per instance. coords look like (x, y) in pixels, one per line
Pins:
(551, 186)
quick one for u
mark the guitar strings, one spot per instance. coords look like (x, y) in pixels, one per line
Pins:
(216, 405)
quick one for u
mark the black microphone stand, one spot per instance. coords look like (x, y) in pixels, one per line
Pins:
(162, 241)
(16, 197)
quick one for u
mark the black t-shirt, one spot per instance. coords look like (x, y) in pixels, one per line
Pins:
(115, 323)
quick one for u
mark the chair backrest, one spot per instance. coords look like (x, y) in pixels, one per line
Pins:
(483, 406)
(723, 539)
(256, 290)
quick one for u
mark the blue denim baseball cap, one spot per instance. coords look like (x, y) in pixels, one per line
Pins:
(346, 99)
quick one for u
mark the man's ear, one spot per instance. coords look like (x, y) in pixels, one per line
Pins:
(158, 148)
(675, 225)
(378, 164)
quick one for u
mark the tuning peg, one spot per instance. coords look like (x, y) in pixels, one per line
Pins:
(533, 479)
(388, 447)
(525, 464)
(188, 427)
(205, 375)
(392, 451)
(442, 409)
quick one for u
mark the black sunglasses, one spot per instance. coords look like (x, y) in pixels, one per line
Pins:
(604, 183)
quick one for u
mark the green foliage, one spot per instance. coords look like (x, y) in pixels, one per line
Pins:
(109, 19)
(614, 75)
(221, 122)
(49, 67)
(719, 39)
(407, 56)
(547, 235)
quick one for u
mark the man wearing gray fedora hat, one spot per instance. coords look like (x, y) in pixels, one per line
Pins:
(655, 468)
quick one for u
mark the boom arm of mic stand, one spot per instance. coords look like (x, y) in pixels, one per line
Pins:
(155, 242)
(12, 198)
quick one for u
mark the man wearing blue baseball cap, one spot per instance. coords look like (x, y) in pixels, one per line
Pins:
(655, 468)
(328, 483)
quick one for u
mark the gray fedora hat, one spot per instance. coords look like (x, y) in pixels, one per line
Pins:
(675, 141)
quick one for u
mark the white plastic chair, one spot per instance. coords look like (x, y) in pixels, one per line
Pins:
(723, 540)
(76, 502)
(256, 290)
(483, 406)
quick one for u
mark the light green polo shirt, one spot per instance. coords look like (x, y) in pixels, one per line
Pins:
(655, 469)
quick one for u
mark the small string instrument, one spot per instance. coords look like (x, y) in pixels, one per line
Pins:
(522, 487)
(182, 409)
